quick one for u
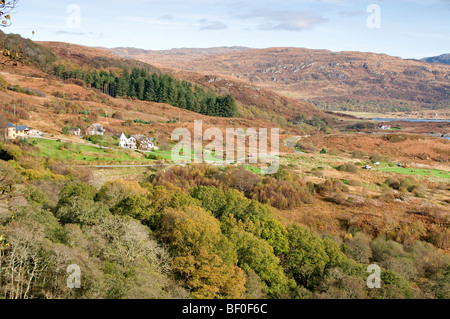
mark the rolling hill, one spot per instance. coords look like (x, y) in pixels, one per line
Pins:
(444, 59)
(332, 80)
(47, 102)
(253, 102)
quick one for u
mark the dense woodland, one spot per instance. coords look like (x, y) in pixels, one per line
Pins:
(161, 88)
(194, 232)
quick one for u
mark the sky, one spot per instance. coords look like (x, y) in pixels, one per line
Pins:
(405, 28)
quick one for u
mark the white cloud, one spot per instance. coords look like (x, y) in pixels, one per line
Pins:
(285, 20)
(213, 25)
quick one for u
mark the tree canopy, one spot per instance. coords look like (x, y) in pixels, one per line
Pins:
(162, 88)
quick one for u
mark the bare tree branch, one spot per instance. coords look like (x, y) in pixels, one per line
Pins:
(6, 6)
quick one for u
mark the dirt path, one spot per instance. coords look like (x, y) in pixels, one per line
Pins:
(290, 142)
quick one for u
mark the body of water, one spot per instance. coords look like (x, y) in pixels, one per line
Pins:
(414, 120)
(411, 120)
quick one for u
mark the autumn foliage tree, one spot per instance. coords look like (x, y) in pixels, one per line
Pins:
(256, 254)
(202, 256)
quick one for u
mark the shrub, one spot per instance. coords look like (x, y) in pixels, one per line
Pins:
(58, 94)
(3, 84)
(117, 115)
(377, 158)
(128, 123)
(348, 168)
(65, 130)
(420, 190)
(358, 248)
(393, 182)
(359, 154)
(395, 138)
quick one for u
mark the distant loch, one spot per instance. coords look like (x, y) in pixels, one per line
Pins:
(411, 120)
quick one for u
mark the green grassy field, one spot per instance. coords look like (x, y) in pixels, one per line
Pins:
(167, 155)
(92, 153)
(80, 152)
(254, 169)
(417, 172)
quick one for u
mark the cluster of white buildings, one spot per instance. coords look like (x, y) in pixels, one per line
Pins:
(135, 142)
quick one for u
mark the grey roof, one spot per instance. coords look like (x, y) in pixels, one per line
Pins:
(10, 125)
(22, 128)
(141, 137)
(97, 127)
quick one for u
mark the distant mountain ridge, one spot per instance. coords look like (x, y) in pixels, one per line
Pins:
(332, 80)
(250, 98)
(177, 54)
(444, 59)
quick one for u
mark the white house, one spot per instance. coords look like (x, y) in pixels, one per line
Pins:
(127, 142)
(136, 142)
(384, 126)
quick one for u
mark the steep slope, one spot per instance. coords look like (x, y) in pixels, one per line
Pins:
(336, 80)
(252, 99)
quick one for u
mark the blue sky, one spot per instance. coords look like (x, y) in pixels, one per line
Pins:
(407, 28)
